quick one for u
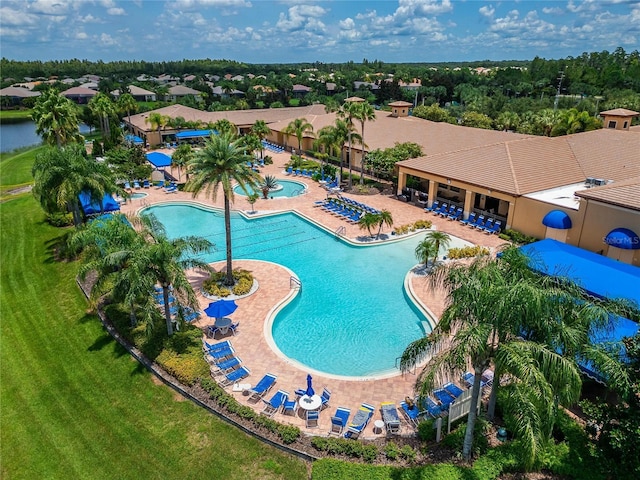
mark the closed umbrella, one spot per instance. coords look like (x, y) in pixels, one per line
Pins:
(310, 392)
(220, 308)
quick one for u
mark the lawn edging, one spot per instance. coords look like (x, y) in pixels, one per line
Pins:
(171, 382)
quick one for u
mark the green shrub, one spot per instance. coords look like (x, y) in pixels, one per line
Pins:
(468, 252)
(391, 450)
(268, 160)
(408, 453)
(59, 219)
(242, 287)
(214, 285)
(288, 433)
(422, 224)
(517, 237)
(426, 430)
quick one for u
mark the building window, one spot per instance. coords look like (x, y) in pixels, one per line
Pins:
(612, 124)
(624, 125)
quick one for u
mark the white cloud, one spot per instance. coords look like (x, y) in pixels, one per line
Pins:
(107, 40)
(487, 11)
(195, 4)
(81, 36)
(116, 11)
(552, 10)
(50, 7)
(10, 16)
(301, 16)
(89, 19)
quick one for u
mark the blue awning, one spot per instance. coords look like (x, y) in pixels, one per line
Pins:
(133, 138)
(623, 238)
(597, 275)
(193, 134)
(159, 159)
(91, 208)
(557, 219)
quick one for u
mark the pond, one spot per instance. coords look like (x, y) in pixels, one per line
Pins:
(23, 134)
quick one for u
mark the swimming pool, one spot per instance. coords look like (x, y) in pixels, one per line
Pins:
(136, 196)
(287, 188)
(351, 317)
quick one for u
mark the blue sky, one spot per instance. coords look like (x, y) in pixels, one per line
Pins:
(283, 31)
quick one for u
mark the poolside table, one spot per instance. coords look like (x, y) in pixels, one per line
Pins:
(222, 324)
(310, 403)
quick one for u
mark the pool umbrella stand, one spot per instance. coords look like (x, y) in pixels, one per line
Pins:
(220, 308)
(310, 392)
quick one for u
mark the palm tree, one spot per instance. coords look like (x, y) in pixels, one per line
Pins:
(157, 121)
(261, 129)
(439, 239)
(298, 128)
(166, 260)
(424, 250)
(56, 119)
(270, 182)
(225, 126)
(363, 112)
(220, 163)
(181, 157)
(61, 175)
(126, 103)
(368, 221)
(384, 218)
(102, 106)
(346, 115)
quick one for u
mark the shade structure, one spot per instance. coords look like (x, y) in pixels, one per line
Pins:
(133, 139)
(310, 392)
(193, 133)
(557, 219)
(623, 238)
(90, 207)
(220, 308)
(159, 159)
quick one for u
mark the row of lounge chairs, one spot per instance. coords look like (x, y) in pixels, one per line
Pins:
(480, 222)
(272, 147)
(445, 210)
(341, 209)
(300, 173)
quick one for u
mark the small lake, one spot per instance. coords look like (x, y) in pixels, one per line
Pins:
(23, 134)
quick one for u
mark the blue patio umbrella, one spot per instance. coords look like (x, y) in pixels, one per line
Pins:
(220, 308)
(310, 392)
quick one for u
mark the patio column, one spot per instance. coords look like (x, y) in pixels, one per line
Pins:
(402, 182)
(433, 190)
(510, 214)
(468, 203)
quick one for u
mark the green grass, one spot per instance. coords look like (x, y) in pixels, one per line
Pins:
(15, 167)
(11, 116)
(74, 403)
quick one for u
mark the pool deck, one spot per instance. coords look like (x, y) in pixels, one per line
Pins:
(250, 343)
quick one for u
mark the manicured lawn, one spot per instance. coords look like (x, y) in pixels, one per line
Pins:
(10, 115)
(15, 168)
(74, 404)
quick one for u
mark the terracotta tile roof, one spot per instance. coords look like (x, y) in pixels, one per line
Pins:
(624, 193)
(182, 90)
(620, 112)
(79, 91)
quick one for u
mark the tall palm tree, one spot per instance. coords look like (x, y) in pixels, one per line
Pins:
(220, 163)
(440, 240)
(181, 157)
(102, 106)
(126, 103)
(261, 129)
(56, 119)
(298, 127)
(424, 250)
(368, 221)
(157, 121)
(384, 218)
(363, 112)
(61, 175)
(225, 126)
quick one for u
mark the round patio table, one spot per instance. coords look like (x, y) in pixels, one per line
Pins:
(310, 403)
(222, 324)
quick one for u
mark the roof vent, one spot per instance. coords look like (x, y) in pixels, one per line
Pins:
(590, 181)
(600, 181)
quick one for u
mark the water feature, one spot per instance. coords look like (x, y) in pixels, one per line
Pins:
(285, 188)
(23, 134)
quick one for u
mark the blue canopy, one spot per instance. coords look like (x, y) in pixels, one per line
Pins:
(623, 238)
(557, 219)
(91, 208)
(193, 133)
(159, 159)
(221, 308)
(310, 392)
(133, 138)
(597, 275)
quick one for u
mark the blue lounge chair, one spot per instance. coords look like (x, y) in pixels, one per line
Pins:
(487, 225)
(146, 184)
(452, 389)
(235, 376)
(262, 387)
(359, 421)
(339, 420)
(127, 186)
(457, 215)
(471, 219)
(312, 418)
(226, 365)
(431, 407)
(390, 417)
(495, 228)
(136, 184)
(469, 377)
(448, 211)
(234, 327)
(444, 397)
(443, 208)
(326, 395)
(434, 206)
(478, 223)
(160, 184)
(275, 403)
(212, 347)
(222, 354)
(289, 171)
(411, 414)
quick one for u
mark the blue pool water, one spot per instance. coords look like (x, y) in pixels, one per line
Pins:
(135, 196)
(351, 317)
(290, 188)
